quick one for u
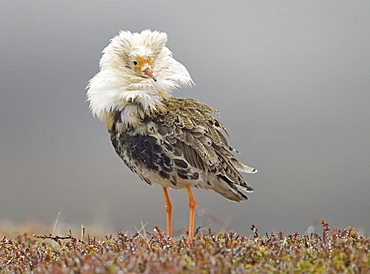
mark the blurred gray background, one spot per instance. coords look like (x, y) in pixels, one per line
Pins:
(291, 79)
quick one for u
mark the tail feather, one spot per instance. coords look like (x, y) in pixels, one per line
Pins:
(230, 193)
(242, 167)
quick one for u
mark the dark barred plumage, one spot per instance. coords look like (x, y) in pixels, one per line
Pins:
(180, 142)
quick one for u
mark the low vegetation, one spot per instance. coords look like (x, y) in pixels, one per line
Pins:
(333, 251)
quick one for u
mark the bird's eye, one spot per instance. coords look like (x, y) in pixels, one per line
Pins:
(136, 63)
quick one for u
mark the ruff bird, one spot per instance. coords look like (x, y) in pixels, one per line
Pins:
(174, 142)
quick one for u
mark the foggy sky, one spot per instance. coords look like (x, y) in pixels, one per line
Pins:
(291, 79)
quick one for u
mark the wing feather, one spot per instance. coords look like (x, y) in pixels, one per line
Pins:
(188, 126)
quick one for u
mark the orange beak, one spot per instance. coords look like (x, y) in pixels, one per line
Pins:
(147, 71)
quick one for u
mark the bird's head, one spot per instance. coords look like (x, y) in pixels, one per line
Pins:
(135, 67)
(136, 55)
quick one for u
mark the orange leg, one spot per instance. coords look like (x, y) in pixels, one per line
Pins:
(168, 207)
(192, 205)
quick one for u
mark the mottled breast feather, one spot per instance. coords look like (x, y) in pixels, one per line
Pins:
(181, 143)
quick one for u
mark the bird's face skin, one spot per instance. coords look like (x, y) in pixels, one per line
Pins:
(143, 66)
